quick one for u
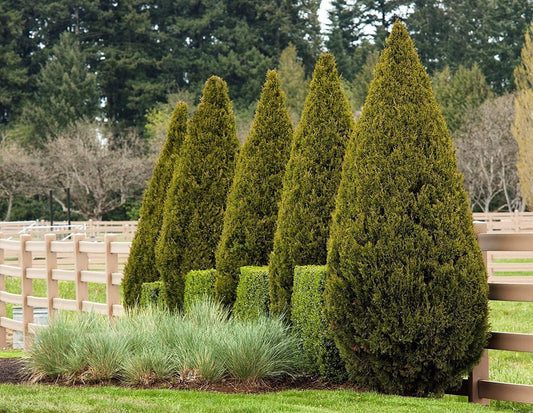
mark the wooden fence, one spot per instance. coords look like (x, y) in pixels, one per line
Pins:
(93, 229)
(79, 260)
(82, 260)
(506, 221)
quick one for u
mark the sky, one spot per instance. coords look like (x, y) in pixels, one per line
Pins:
(323, 13)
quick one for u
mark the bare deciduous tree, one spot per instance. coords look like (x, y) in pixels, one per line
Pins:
(18, 169)
(101, 177)
(486, 154)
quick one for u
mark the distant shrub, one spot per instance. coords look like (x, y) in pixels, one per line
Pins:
(152, 295)
(310, 326)
(199, 284)
(252, 293)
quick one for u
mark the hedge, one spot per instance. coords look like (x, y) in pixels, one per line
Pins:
(198, 284)
(310, 325)
(152, 295)
(252, 293)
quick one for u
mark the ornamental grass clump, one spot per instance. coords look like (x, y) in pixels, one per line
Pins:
(310, 182)
(193, 213)
(406, 292)
(252, 210)
(152, 345)
(141, 267)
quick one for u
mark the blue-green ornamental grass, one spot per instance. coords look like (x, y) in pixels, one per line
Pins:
(152, 345)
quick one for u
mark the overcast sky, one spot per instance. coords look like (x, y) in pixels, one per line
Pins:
(323, 13)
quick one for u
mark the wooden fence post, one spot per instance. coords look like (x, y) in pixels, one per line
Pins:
(111, 266)
(81, 263)
(480, 372)
(52, 286)
(3, 332)
(25, 259)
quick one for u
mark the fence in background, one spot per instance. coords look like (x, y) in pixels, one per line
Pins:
(506, 221)
(83, 260)
(93, 229)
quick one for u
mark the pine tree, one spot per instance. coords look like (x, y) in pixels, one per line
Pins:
(523, 124)
(293, 81)
(406, 293)
(252, 208)
(195, 203)
(310, 182)
(140, 267)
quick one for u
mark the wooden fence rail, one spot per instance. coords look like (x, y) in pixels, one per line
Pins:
(47, 260)
(38, 260)
(506, 221)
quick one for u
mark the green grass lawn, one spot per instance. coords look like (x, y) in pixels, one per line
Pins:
(38, 398)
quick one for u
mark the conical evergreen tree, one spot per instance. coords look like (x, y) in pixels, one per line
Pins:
(310, 182)
(406, 291)
(140, 267)
(195, 203)
(252, 209)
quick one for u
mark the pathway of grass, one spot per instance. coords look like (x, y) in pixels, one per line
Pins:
(37, 398)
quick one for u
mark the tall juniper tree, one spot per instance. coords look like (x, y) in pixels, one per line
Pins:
(310, 182)
(140, 267)
(406, 292)
(252, 209)
(194, 207)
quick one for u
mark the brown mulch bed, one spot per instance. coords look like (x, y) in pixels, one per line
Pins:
(11, 371)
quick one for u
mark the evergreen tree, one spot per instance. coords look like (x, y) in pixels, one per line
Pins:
(310, 182)
(196, 199)
(293, 81)
(66, 90)
(460, 93)
(523, 123)
(141, 267)
(252, 209)
(358, 89)
(406, 293)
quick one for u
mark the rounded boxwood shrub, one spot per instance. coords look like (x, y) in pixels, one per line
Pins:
(196, 199)
(252, 210)
(406, 291)
(252, 293)
(310, 326)
(199, 284)
(152, 295)
(310, 182)
(141, 267)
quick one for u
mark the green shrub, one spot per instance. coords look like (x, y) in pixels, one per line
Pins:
(252, 293)
(196, 199)
(198, 285)
(141, 267)
(252, 210)
(310, 182)
(406, 291)
(152, 295)
(310, 326)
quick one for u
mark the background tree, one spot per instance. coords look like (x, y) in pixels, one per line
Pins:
(486, 155)
(406, 292)
(194, 208)
(66, 91)
(18, 169)
(358, 89)
(523, 123)
(459, 93)
(252, 208)
(310, 182)
(293, 81)
(141, 266)
(101, 177)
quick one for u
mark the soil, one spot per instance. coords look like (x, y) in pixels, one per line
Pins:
(12, 371)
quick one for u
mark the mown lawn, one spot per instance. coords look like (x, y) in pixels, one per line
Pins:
(38, 398)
